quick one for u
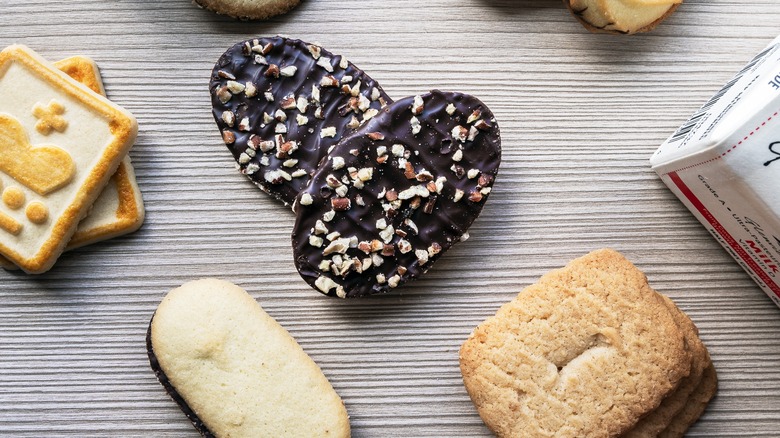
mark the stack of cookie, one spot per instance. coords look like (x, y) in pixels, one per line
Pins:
(63, 158)
(590, 350)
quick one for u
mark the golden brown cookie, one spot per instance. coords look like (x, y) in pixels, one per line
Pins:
(621, 16)
(586, 351)
(695, 406)
(235, 371)
(248, 9)
(658, 420)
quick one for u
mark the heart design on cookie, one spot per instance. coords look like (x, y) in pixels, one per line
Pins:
(395, 195)
(43, 169)
(281, 104)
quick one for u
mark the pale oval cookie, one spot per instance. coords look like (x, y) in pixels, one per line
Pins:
(621, 16)
(235, 371)
(248, 9)
(585, 352)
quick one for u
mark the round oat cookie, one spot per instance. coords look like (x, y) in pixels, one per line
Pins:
(248, 9)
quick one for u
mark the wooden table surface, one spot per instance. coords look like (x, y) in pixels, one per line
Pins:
(580, 115)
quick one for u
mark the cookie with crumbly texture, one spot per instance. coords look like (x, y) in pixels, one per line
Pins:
(661, 418)
(695, 406)
(248, 9)
(586, 351)
(621, 16)
(235, 371)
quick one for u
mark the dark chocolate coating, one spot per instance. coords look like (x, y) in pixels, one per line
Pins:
(191, 415)
(239, 65)
(438, 219)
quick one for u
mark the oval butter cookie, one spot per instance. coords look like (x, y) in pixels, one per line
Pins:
(621, 16)
(235, 371)
(248, 9)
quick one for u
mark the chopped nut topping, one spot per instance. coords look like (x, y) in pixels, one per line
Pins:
(458, 195)
(388, 250)
(475, 196)
(413, 191)
(417, 106)
(343, 63)
(306, 199)
(380, 278)
(288, 71)
(434, 249)
(338, 162)
(328, 216)
(225, 75)
(440, 184)
(267, 146)
(460, 172)
(243, 158)
(288, 102)
(302, 104)
(369, 114)
(250, 90)
(229, 118)
(412, 226)
(267, 118)
(460, 133)
(398, 150)
(342, 190)
(298, 173)
(363, 103)
(264, 160)
(301, 120)
(252, 168)
(332, 181)
(314, 50)
(387, 234)
(381, 224)
(340, 204)
(325, 284)
(277, 176)
(353, 123)
(290, 163)
(339, 246)
(375, 136)
(260, 59)
(267, 49)
(318, 113)
(315, 93)
(325, 63)
(424, 176)
(402, 270)
(416, 127)
(450, 109)
(346, 79)
(235, 87)
(486, 190)
(484, 180)
(268, 96)
(482, 125)
(223, 94)
(324, 265)
(458, 155)
(272, 71)
(329, 81)
(473, 173)
(280, 115)
(422, 256)
(333, 236)
(365, 174)
(472, 134)
(365, 246)
(319, 226)
(393, 281)
(375, 93)
(465, 237)
(330, 131)
(243, 125)
(404, 246)
(280, 128)
(315, 241)
(428, 209)
(355, 90)
(476, 114)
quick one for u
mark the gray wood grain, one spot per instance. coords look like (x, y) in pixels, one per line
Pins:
(580, 115)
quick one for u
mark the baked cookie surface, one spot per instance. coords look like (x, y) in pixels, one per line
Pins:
(235, 371)
(585, 352)
(249, 9)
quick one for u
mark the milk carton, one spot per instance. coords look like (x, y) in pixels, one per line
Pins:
(724, 165)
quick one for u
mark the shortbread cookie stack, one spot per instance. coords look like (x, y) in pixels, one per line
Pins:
(590, 350)
(65, 176)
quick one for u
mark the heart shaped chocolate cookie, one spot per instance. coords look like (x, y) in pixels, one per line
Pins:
(281, 104)
(393, 196)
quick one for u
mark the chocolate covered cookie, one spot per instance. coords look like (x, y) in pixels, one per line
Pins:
(392, 197)
(281, 104)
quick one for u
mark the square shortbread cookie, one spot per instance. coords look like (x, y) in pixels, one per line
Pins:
(585, 352)
(59, 144)
(119, 209)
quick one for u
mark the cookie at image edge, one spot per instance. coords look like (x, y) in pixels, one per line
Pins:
(248, 9)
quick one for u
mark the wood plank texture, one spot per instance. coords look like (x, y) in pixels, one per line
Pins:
(580, 115)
